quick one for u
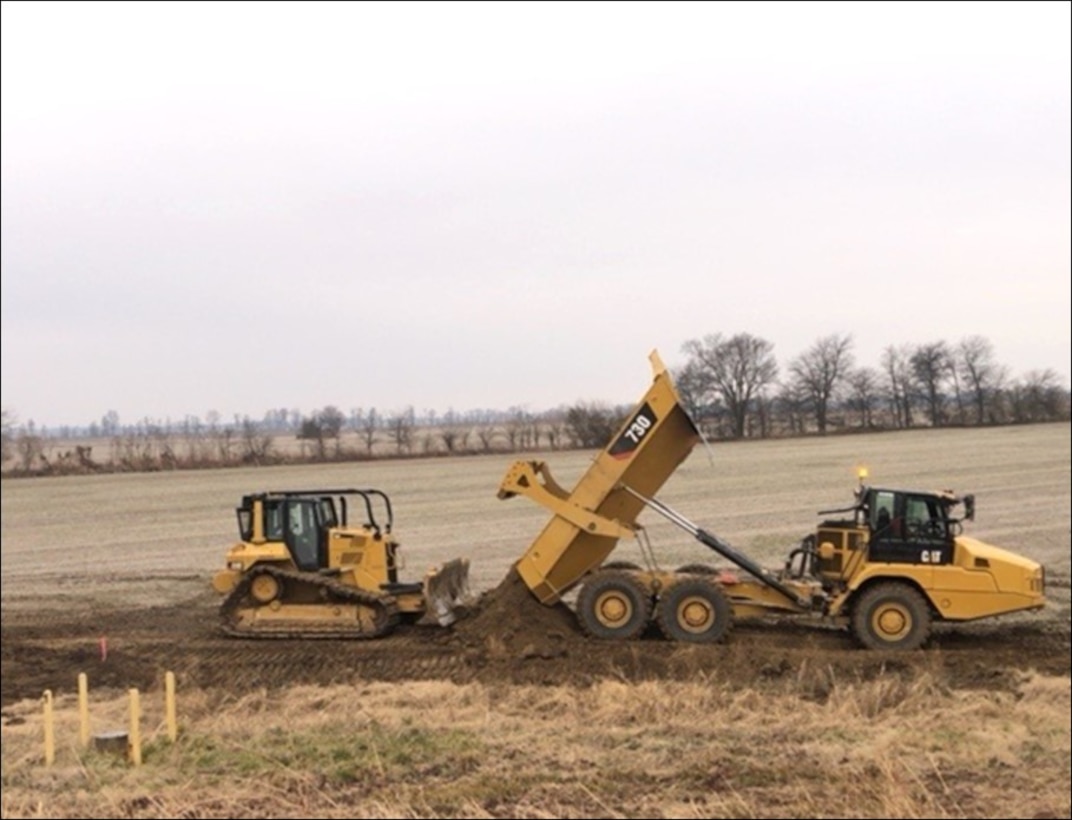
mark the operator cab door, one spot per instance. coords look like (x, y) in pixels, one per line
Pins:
(301, 532)
(909, 528)
(307, 523)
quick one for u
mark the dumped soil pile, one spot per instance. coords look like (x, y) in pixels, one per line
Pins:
(508, 622)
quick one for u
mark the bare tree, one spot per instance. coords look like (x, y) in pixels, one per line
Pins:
(322, 426)
(931, 365)
(792, 405)
(736, 370)
(448, 431)
(400, 426)
(224, 438)
(30, 448)
(110, 423)
(1039, 396)
(897, 369)
(519, 429)
(863, 391)
(485, 429)
(257, 442)
(8, 433)
(694, 387)
(554, 427)
(591, 424)
(981, 373)
(819, 371)
(370, 422)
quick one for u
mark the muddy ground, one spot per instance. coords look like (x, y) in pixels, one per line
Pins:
(506, 637)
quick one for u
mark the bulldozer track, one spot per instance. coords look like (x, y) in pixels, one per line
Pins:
(385, 606)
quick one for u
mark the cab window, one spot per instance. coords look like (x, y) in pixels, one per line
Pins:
(327, 513)
(883, 511)
(273, 521)
(924, 517)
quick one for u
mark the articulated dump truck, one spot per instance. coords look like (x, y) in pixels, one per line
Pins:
(894, 562)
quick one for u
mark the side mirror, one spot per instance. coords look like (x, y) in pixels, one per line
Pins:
(969, 507)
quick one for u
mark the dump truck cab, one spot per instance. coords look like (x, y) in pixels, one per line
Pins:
(902, 561)
(889, 526)
(913, 527)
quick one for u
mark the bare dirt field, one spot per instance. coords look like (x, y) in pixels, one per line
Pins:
(128, 559)
(123, 563)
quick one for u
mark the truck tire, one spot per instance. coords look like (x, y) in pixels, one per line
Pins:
(695, 610)
(613, 605)
(891, 616)
(697, 569)
(620, 565)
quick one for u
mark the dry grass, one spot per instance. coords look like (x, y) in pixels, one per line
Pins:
(885, 748)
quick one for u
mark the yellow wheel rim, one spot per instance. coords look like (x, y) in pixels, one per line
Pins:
(264, 588)
(613, 609)
(891, 622)
(695, 614)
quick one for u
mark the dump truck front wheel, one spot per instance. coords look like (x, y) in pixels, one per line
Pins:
(614, 605)
(620, 565)
(694, 609)
(891, 616)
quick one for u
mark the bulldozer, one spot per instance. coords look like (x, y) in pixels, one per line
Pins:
(891, 565)
(301, 569)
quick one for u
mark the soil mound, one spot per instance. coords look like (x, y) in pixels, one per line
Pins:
(509, 622)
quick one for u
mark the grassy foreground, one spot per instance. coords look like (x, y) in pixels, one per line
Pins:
(891, 747)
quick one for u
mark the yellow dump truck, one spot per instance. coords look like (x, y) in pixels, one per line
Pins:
(894, 561)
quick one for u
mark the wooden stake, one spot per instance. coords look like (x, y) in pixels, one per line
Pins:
(83, 709)
(50, 739)
(135, 727)
(169, 706)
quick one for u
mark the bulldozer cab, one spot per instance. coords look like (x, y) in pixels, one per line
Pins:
(305, 520)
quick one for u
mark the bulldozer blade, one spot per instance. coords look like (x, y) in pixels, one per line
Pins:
(446, 588)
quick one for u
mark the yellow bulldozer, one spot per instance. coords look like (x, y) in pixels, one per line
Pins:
(891, 565)
(325, 564)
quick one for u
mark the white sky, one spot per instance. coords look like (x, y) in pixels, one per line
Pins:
(240, 207)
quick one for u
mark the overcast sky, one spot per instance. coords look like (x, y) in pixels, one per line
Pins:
(239, 207)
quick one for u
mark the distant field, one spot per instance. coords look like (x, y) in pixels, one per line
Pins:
(761, 496)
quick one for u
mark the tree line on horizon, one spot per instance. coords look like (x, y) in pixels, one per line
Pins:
(732, 386)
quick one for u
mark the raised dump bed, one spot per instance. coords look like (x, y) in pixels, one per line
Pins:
(588, 521)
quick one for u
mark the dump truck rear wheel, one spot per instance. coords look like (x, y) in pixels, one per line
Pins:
(614, 605)
(891, 616)
(697, 569)
(694, 610)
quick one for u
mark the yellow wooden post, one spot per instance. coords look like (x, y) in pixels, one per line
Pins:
(169, 706)
(83, 709)
(50, 740)
(135, 728)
